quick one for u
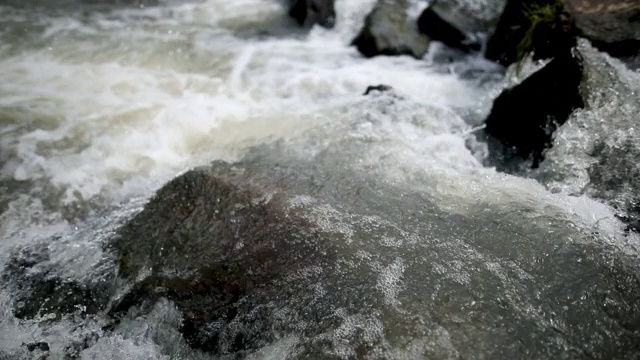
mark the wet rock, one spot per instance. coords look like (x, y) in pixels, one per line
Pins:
(471, 16)
(310, 12)
(613, 23)
(39, 292)
(390, 30)
(378, 88)
(524, 117)
(436, 28)
(74, 350)
(597, 151)
(216, 250)
(315, 257)
(41, 345)
(541, 27)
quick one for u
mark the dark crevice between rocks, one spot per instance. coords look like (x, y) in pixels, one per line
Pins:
(309, 12)
(436, 28)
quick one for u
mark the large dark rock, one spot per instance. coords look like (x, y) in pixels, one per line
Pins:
(436, 28)
(309, 12)
(310, 255)
(523, 118)
(389, 30)
(541, 27)
(216, 248)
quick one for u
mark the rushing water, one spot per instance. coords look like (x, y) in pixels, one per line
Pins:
(100, 104)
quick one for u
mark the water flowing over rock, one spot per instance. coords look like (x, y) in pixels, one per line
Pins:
(309, 12)
(315, 222)
(322, 259)
(597, 151)
(389, 29)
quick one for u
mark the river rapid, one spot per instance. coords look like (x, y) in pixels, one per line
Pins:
(103, 103)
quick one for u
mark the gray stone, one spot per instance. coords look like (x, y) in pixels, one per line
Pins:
(606, 21)
(390, 30)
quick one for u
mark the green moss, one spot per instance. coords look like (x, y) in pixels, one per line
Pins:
(537, 14)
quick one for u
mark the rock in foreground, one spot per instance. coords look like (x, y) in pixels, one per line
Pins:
(314, 257)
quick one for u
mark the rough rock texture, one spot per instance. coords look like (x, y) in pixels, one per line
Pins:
(597, 151)
(607, 21)
(40, 292)
(309, 254)
(436, 28)
(537, 26)
(470, 15)
(309, 12)
(390, 30)
(523, 118)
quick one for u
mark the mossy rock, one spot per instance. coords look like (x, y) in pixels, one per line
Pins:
(541, 27)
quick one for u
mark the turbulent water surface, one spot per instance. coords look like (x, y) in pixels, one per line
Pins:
(101, 104)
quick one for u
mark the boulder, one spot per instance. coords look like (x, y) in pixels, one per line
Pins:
(597, 151)
(311, 255)
(541, 27)
(471, 16)
(524, 117)
(436, 28)
(310, 12)
(610, 24)
(390, 30)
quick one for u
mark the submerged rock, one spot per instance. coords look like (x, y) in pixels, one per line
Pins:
(524, 117)
(39, 292)
(310, 12)
(390, 30)
(309, 254)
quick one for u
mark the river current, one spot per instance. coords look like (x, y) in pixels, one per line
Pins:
(101, 104)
